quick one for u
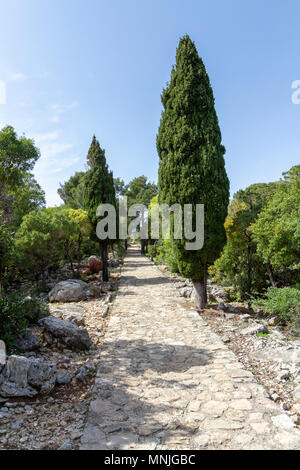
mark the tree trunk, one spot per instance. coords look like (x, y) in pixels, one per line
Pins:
(1, 274)
(143, 247)
(79, 241)
(205, 284)
(126, 244)
(249, 280)
(103, 249)
(200, 290)
(271, 276)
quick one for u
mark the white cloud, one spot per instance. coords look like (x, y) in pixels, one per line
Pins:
(62, 108)
(51, 165)
(40, 138)
(2, 92)
(18, 77)
(59, 109)
(55, 155)
(55, 119)
(55, 148)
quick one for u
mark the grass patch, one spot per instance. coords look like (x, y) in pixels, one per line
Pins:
(262, 335)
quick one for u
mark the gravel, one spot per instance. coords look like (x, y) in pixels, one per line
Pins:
(57, 421)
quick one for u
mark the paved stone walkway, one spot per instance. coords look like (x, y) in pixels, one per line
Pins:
(166, 380)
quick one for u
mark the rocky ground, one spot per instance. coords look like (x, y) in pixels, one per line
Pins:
(273, 357)
(167, 381)
(262, 343)
(56, 420)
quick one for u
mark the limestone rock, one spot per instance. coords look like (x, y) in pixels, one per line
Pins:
(23, 377)
(283, 421)
(105, 311)
(66, 446)
(254, 329)
(2, 354)
(186, 292)
(225, 339)
(217, 293)
(74, 317)
(67, 333)
(63, 378)
(28, 342)
(113, 263)
(72, 290)
(274, 321)
(297, 394)
(222, 307)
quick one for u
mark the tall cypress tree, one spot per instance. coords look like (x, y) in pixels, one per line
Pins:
(99, 189)
(192, 167)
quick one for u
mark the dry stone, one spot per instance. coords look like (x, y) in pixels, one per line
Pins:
(24, 377)
(166, 381)
(66, 333)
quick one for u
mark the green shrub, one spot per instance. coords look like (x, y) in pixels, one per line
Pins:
(160, 253)
(34, 309)
(12, 320)
(119, 247)
(151, 252)
(16, 314)
(283, 302)
(165, 255)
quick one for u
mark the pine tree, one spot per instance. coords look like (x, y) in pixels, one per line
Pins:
(99, 189)
(192, 167)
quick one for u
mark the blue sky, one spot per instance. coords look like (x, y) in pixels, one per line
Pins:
(75, 68)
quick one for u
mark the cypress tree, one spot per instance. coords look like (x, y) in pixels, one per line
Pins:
(99, 189)
(192, 166)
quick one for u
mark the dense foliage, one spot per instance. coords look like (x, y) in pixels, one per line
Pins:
(98, 189)
(192, 167)
(277, 229)
(284, 302)
(19, 192)
(49, 237)
(12, 319)
(239, 262)
(72, 192)
(263, 238)
(6, 252)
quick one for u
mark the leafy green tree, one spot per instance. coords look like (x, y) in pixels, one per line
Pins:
(18, 156)
(192, 167)
(277, 228)
(78, 242)
(43, 240)
(6, 251)
(27, 197)
(239, 264)
(120, 187)
(284, 302)
(140, 191)
(99, 189)
(72, 191)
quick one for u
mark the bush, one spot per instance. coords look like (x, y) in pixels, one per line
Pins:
(49, 237)
(151, 252)
(6, 251)
(165, 255)
(34, 309)
(283, 302)
(119, 247)
(12, 320)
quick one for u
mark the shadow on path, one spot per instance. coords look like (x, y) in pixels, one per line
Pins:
(137, 396)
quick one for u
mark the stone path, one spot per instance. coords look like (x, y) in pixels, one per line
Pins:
(166, 381)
